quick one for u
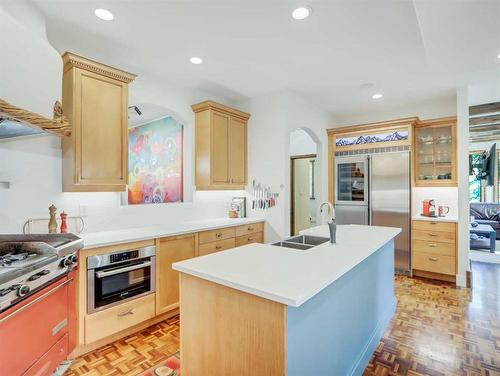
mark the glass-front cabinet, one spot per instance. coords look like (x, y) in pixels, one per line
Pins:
(434, 157)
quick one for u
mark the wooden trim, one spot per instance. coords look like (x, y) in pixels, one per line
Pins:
(71, 60)
(370, 126)
(444, 121)
(331, 167)
(303, 156)
(484, 108)
(292, 190)
(211, 105)
(58, 125)
(431, 275)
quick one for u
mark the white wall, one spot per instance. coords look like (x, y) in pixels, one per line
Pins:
(33, 165)
(446, 196)
(463, 184)
(30, 69)
(427, 109)
(274, 116)
(301, 143)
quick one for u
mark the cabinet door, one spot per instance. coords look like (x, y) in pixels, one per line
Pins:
(101, 134)
(219, 163)
(167, 280)
(237, 151)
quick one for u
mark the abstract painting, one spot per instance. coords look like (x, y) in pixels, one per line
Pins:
(155, 153)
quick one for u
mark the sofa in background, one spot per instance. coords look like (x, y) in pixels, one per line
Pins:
(487, 213)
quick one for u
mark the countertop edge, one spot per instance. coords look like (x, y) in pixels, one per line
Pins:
(166, 233)
(451, 219)
(300, 300)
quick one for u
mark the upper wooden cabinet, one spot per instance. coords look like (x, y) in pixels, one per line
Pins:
(221, 146)
(95, 101)
(435, 152)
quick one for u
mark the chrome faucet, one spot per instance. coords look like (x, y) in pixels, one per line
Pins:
(331, 220)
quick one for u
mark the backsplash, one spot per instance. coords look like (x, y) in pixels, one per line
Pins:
(446, 196)
(34, 173)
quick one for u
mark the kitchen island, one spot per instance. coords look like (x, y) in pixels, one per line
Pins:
(266, 310)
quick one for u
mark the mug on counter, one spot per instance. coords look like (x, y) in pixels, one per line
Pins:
(443, 210)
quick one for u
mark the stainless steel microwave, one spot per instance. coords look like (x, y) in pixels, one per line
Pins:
(117, 277)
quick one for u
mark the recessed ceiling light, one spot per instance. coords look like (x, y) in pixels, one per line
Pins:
(377, 96)
(104, 14)
(498, 56)
(196, 60)
(301, 13)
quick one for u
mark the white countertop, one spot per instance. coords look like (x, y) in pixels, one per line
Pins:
(448, 218)
(287, 275)
(104, 238)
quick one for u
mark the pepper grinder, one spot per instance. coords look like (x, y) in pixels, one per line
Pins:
(52, 220)
(64, 225)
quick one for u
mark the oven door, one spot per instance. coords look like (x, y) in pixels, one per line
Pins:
(114, 284)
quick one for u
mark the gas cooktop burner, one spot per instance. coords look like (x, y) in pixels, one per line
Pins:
(30, 262)
(22, 254)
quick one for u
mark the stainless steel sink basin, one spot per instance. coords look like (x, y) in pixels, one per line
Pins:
(308, 239)
(299, 246)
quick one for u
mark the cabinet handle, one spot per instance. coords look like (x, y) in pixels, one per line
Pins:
(218, 247)
(250, 228)
(250, 239)
(129, 312)
(432, 245)
(219, 234)
(433, 258)
(431, 234)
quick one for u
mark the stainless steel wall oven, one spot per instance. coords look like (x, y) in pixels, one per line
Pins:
(114, 278)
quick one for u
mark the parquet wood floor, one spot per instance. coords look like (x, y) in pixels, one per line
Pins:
(438, 330)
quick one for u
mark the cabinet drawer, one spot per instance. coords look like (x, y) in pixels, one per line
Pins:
(112, 320)
(215, 235)
(207, 248)
(434, 236)
(249, 229)
(250, 238)
(435, 248)
(434, 263)
(434, 226)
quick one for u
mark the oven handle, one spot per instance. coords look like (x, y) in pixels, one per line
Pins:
(48, 293)
(102, 274)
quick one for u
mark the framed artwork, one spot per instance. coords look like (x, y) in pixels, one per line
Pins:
(155, 155)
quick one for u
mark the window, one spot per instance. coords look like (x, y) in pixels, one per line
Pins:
(474, 182)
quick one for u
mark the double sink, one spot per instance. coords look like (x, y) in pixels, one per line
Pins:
(302, 242)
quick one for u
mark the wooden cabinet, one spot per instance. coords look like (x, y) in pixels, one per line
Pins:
(434, 247)
(168, 251)
(435, 152)
(95, 101)
(226, 238)
(115, 319)
(221, 147)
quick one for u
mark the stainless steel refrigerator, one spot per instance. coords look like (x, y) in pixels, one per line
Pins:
(375, 189)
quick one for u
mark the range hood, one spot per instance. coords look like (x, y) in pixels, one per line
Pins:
(12, 128)
(31, 74)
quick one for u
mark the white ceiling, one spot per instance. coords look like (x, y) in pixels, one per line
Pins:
(410, 50)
